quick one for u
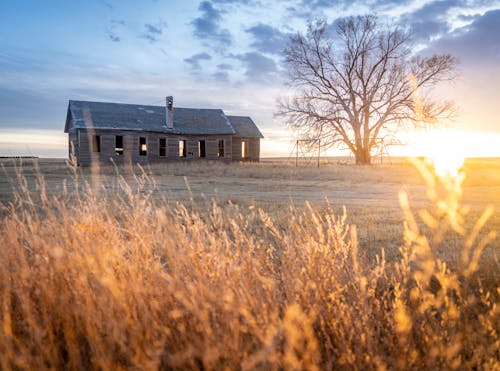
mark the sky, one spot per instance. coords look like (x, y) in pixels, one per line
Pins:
(220, 54)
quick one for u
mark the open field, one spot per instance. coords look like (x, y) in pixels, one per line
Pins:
(271, 181)
(370, 194)
(248, 266)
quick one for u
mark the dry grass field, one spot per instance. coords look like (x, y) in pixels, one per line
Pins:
(249, 266)
(370, 194)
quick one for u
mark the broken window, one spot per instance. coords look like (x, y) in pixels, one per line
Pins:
(244, 148)
(96, 143)
(220, 152)
(143, 148)
(119, 145)
(163, 147)
(201, 148)
(182, 148)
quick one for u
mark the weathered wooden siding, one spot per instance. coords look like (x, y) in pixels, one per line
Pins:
(172, 147)
(236, 149)
(73, 145)
(211, 146)
(253, 149)
(107, 148)
(153, 142)
(83, 143)
(84, 155)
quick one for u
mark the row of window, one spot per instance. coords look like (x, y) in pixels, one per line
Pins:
(162, 147)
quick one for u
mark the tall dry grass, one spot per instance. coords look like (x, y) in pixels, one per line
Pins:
(118, 279)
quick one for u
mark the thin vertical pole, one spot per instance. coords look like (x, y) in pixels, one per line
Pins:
(297, 154)
(319, 149)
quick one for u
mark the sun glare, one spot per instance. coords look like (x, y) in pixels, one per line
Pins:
(447, 164)
(447, 149)
(446, 152)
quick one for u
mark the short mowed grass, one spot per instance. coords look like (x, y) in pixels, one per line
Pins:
(248, 266)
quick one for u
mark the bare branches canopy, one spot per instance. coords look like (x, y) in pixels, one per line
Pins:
(359, 84)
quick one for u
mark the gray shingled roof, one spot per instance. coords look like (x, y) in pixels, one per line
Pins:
(99, 115)
(244, 127)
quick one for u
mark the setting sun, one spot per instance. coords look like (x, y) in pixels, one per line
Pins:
(447, 164)
(447, 149)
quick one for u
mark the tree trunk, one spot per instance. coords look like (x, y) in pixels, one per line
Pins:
(361, 153)
(363, 156)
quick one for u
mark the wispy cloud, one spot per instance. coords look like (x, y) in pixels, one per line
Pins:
(153, 32)
(113, 37)
(195, 60)
(108, 5)
(429, 21)
(153, 29)
(475, 44)
(225, 67)
(246, 2)
(222, 73)
(222, 76)
(113, 28)
(258, 67)
(268, 39)
(207, 26)
(238, 3)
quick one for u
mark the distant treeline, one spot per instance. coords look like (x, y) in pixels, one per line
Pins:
(3, 157)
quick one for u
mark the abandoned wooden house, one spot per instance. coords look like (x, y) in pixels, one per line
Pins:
(133, 133)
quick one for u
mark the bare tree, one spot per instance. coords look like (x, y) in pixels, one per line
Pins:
(360, 85)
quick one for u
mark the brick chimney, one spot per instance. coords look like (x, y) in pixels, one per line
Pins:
(169, 112)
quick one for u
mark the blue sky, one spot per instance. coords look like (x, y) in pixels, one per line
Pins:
(214, 54)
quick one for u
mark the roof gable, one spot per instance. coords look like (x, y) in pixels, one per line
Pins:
(68, 120)
(244, 127)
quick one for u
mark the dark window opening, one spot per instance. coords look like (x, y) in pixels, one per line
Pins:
(96, 143)
(119, 145)
(163, 147)
(220, 153)
(201, 148)
(182, 148)
(143, 148)
(244, 149)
